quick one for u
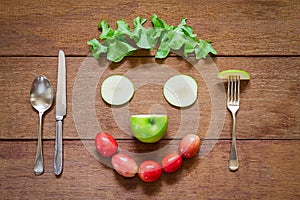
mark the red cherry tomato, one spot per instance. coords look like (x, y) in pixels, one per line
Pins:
(189, 146)
(171, 162)
(149, 171)
(124, 164)
(106, 145)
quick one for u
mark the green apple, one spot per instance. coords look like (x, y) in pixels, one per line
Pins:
(148, 128)
(234, 72)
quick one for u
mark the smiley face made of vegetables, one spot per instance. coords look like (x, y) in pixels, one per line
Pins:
(179, 91)
(89, 113)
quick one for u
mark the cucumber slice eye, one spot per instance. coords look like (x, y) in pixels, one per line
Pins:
(181, 90)
(234, 72)
(117, 90)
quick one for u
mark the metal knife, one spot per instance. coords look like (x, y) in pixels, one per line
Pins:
(61, 107)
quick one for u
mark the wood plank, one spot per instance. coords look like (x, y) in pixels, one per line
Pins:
(269, 102)
(268, 170)
(236, 27)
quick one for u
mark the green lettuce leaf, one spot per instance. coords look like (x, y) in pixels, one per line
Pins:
(123, 28)
(203, 48)
(189, 46)
(124, 41)
(97, 48)
(175, 38)
(117, 50)
(164, 48)
(159, 23)
(145, 38)
(107, 32)
(114, 42)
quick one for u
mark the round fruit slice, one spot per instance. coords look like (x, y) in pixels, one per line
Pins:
(148, 128)
(117, 90)
(234, 72)
(181, 90)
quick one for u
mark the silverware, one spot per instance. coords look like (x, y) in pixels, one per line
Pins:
(233, 104)
(41, 98)
(61, 107)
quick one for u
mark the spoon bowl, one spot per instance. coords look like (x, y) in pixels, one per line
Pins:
(41, 98)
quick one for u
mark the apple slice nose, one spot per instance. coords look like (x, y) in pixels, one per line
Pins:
(149, 128)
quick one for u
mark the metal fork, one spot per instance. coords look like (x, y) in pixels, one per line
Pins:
(233, 104)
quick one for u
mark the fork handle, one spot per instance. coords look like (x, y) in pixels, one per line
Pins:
(233, 160)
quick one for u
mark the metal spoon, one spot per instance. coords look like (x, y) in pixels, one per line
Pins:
(41, 98)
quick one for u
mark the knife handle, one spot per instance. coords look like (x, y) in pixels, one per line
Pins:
(58, 149)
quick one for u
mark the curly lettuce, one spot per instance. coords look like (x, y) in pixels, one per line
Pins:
(123, 41)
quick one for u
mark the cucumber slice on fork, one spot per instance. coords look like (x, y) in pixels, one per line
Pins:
(234, 73)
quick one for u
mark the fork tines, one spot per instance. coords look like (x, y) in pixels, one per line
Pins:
(233, 93)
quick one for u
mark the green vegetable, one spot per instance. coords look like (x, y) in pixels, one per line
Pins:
(124, 41)
(97, 48)
(145, 38)
(234, 72)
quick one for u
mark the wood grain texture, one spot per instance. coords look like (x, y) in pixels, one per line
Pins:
(272, 175)
(236, 27)
(259, 36)
(269, 101)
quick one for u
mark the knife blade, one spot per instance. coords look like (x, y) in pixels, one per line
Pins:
(61, 107)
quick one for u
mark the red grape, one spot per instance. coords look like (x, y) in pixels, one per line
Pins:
(150, 171)
(189, 146)
(124, 164)
(106, 145)
(171, 162)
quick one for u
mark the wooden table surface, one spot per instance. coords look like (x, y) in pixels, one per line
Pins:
(261, 37)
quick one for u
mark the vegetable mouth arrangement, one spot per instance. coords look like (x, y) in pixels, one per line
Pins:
(148, 170)
(123, 41)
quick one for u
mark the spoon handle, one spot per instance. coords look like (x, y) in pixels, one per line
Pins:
(58, 148)
(38, 163)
